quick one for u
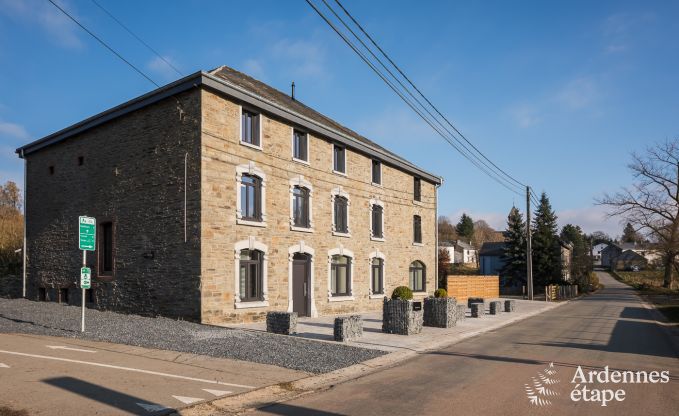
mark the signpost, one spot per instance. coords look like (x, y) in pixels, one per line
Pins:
(87, 231)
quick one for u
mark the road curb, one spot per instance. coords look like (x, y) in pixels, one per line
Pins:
(287, 391)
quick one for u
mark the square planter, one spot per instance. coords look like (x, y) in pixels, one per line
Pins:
(478, 310)
(348, 328)
(510, 305)
(495, 307)
(400, 317)
(440, 312)
(281, 322)
(461, 312)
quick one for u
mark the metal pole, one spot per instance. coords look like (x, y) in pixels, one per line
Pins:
(529, 252)
(23, 252)
(436, 234)
(82, 320)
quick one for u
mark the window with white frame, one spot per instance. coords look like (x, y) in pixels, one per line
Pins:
(377, 276)
(300, 145)
(340, 275)
(251, 282)
(417, 276)
(376, 220)
(339, 159)
(301, 206)
(341, 206)
(250, 197)
(250, 128)
(376, 172)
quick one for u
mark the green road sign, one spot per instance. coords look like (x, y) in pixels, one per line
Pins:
(88, 233)
(85, 278)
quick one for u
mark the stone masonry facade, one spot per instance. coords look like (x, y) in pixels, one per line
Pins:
(140, 170)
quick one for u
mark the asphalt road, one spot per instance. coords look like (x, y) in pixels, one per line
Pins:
(508, 372)
(42, 375)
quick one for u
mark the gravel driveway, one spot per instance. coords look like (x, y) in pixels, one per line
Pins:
(47, 318)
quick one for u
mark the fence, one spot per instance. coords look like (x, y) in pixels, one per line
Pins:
(464, 287)
(557, 292)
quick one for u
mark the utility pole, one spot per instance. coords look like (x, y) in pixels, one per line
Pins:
(529, 252)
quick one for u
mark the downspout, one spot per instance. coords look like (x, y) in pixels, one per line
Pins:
(23, 252)
(436, 233)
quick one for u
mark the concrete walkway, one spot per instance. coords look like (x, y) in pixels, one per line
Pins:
(322, 329)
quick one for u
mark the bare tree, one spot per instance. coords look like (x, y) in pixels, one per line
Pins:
(651, 204)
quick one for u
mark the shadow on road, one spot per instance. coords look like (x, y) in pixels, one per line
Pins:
(288, 409)
(106, 396)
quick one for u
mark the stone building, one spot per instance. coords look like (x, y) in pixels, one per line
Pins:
(219, 198)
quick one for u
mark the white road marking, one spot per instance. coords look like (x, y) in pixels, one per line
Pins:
(3, 365)
(152, 407)
(116, 367)
(187, 400)
(218, 392)
(61, 347)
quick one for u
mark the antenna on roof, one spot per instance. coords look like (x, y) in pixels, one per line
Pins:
(293, 90)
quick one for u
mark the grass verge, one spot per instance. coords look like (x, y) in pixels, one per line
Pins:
(649, 285)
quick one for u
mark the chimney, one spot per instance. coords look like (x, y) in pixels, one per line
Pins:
(293, 90)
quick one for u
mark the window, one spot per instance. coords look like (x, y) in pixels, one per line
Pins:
(377, 276)
(106, 249)
(377, 215)
(81, 160)
(417, 276)
(300, 145)
(251, 198)
(417, 229)
(51, 170)
(377, 172)
(340, 276)
(250, 128)
(300, 207)
(250, 275)
(417, 189)
(341, 215)
(339, 159)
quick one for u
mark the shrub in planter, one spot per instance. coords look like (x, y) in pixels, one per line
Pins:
(402, 292)
(399, 317)
(440, 293)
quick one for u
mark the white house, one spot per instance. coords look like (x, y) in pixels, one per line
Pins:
(596, 253)
(460, 252)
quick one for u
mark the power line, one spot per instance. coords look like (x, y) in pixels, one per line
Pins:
(139, 71)
(137, 37)
(421, 94)
(405, 99)
(407, 90)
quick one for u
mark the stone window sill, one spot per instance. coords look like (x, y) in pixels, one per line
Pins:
(416, 202)
(381, 239)
(338, 234)
(336, 172)
(245, 305)
(420, 294)
(241, 221)
(340, 298)
(301, 229)
(418, 244)
(251, 146)
(377, 296)
(303, 162)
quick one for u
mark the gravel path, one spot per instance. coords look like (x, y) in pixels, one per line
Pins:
(47, 318)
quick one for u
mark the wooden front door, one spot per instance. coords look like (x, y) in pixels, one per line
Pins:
(301, 267)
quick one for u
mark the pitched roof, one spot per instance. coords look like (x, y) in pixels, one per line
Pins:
(250, 91)
(630, 255)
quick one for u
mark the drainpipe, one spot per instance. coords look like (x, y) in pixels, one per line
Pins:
(436, 233)
(23, 252)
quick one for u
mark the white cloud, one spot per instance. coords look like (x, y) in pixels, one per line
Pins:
(496, 220)
(590, 219)
(524, 115)
(620, 30)
(395, 125)
(160, 67)
(14, 131)
(305, 58)
(58, 26)
(580, 93)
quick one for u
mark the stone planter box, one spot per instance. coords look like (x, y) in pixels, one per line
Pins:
(495, 307)
(440, 312)
(478, 310)
(399, 317)
(348, 328)
(281, 322)
(461, 312)
(510, 305)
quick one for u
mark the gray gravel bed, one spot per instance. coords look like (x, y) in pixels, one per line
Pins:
(47, 318)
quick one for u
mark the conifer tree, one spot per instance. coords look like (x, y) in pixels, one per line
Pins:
(465, 228)
(514, 269)
(546, 247)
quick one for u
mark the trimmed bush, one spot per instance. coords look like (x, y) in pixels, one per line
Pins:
(402, 292)
(440, 293)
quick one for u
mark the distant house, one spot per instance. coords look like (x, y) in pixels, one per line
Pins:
(596, 253)
(629, 259)
(566, 259)
(609, 254)
(460, 252)
(491, 258)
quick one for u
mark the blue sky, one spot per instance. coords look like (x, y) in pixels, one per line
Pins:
(557, 93)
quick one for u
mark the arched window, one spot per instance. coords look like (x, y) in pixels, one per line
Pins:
(250, 275)
(340, 275)
(417, 276)
(377, 276)
(251, 198)
(341, 215)
(300, 207)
